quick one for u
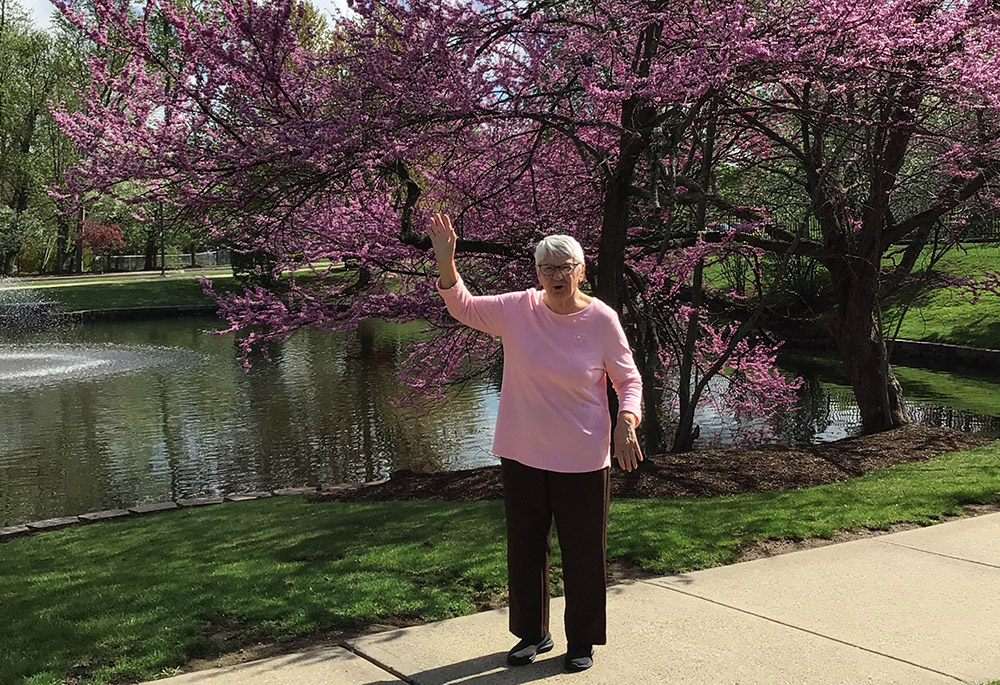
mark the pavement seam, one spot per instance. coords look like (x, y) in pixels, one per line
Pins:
(806, 630)
(375, 662)
(941, 554)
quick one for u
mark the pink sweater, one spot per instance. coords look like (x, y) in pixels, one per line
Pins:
(553, 411)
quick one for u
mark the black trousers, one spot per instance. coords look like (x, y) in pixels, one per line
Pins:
(579, 503)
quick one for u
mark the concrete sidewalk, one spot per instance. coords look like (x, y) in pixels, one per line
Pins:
(913, 608)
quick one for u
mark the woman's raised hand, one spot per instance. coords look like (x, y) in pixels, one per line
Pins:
(443, 239)
(442, 236)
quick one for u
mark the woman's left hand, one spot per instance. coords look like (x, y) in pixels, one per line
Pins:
(626, 442)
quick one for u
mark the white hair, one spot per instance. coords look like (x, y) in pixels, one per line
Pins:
(559, 247)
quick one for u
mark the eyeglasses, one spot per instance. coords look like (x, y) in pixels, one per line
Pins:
(551, 269)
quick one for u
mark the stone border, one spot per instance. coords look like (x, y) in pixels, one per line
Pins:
(936, 354)
(919, 353)
(35, 527)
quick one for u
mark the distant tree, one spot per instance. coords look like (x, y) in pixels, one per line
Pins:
(26, 80)
(98, 236)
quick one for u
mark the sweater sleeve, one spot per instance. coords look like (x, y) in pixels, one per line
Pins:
(487, 313)
(621, 369)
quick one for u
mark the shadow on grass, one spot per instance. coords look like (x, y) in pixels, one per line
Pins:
(124, 600)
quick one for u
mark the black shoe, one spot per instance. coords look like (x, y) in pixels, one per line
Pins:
(579, 658)
(525, 651)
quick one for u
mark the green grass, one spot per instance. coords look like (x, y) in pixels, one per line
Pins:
(125, 600)
(937, 314)
(945, 315)
(131, 294)
(85, 295)
(976, 395)
(129, 600)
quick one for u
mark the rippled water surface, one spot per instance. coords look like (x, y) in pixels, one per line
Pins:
(118, 414)
(123, 413)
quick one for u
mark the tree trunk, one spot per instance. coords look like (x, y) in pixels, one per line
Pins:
(647, 359)
(78, 260)
(686, 432)
(853, 259)
(62, 244)
(611, 251)
(637, 123)
(859, 340)
(152, 245)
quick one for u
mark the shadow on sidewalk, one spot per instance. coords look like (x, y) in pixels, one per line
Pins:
(482, 670)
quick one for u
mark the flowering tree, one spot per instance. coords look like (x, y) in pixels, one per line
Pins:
(879, 122)
(610, 120)
(98, 236)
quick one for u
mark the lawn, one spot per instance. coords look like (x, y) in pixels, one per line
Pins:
(946, 315)
(130, 600)
(172, 292)
(138, 293)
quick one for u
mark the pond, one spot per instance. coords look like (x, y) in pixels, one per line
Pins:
(124, 413)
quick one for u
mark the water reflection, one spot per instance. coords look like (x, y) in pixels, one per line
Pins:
(963, 399)
(182, 419)
(320, 412)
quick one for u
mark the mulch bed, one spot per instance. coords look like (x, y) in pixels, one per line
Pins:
(701, 473)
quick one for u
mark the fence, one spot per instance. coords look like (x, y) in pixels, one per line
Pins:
(137, 262)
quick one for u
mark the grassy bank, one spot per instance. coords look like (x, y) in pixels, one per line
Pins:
(945, 315)
(138, 292)
(130, 600)
(84, 296)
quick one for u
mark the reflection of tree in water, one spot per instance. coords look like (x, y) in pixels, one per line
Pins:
(393, 437)
(947, 417)
(823, 406)
(376, 437)
(329, 416)
(810, 416)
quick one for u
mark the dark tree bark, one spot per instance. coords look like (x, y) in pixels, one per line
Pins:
(637, 121)
(858, 336)
(78, 248)
(62, 244)
(853, 259)
(149, 253)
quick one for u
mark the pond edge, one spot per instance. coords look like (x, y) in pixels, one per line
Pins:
(35, 527)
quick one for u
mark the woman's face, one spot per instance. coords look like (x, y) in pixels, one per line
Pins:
(560, 276)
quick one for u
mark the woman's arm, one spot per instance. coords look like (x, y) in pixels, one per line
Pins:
(625, 377)
(443, 239)
(484, 313)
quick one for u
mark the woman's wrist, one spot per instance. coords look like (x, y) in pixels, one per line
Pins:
(629, 418)
(447, 274)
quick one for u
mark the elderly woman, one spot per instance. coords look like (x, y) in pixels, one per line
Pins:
(553, 435)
